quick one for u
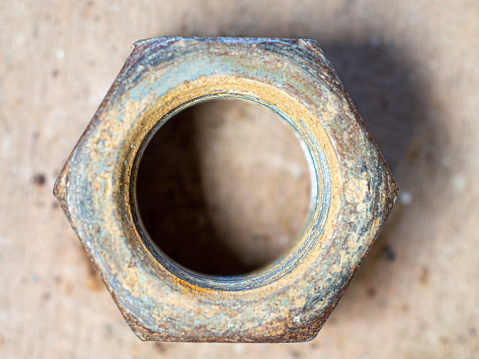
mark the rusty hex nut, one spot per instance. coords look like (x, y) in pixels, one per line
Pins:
(352, 191)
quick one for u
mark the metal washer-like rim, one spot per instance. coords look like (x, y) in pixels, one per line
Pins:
(320, 198)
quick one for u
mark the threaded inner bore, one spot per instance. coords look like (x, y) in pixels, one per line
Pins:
(223, 187)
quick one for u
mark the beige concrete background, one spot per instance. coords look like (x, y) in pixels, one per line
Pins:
(410, 66)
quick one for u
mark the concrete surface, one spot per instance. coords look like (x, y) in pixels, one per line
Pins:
(410, 66)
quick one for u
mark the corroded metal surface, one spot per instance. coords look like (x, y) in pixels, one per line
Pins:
(351, 196)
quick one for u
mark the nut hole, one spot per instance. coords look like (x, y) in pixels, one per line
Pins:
(223, 187)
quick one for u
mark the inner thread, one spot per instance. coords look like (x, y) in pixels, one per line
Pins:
(223, 188)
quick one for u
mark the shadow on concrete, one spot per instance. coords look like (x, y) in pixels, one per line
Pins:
(378, 78)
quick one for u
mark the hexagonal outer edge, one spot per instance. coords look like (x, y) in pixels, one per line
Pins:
(366, 197)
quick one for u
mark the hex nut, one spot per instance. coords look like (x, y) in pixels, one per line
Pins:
(352, 191)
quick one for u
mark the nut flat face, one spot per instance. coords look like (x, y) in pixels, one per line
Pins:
(352, 191)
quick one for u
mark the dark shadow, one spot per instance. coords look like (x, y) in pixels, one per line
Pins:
(378, 80)
(172, 204)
